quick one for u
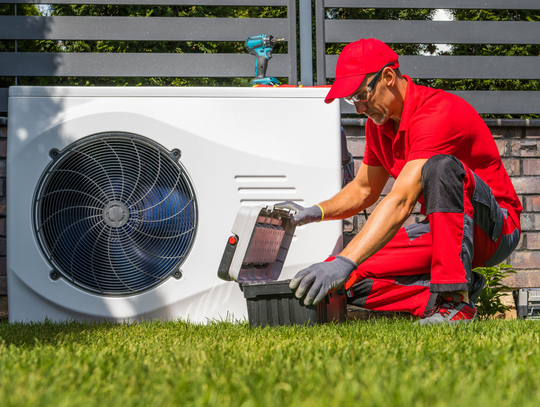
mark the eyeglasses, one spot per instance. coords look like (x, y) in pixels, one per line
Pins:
(364, 97)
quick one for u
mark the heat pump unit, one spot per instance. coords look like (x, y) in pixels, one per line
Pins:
(120, 199)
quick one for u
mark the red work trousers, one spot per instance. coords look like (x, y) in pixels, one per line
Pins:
(465, 228)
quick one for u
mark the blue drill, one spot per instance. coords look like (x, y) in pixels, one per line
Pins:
(261, 46)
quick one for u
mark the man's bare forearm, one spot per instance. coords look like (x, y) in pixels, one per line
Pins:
(380, 228)
(358, 195)
(347, 202)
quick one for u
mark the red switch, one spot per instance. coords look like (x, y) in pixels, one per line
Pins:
(232, 240)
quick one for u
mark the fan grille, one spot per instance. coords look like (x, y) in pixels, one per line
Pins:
(115, 213)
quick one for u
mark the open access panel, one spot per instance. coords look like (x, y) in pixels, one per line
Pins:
(254, 256)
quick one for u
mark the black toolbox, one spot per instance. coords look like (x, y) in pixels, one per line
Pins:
(273, 303)
(254, 257)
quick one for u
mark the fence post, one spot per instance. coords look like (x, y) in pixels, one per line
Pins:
(320, 42)
(306, 43)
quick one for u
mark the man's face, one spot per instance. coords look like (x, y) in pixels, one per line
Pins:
(378, 106)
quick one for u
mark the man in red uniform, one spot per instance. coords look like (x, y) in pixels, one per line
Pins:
(441, 154)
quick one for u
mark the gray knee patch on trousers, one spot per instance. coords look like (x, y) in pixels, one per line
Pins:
(442, 180)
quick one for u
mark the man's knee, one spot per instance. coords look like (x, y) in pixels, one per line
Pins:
(440, 166)
(442, 180)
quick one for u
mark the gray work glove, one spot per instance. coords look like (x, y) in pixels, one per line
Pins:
(321, 278)
(303, 215)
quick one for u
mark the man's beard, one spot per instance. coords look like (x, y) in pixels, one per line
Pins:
(379, 118)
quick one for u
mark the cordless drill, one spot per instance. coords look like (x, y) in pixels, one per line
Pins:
(261, 47)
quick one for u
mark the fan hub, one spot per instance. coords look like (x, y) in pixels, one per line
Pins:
(116, 214)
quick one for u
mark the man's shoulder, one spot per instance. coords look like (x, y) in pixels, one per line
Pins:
(438, 104)
(430, 97)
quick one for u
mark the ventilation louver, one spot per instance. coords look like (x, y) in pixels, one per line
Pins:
(115, 213)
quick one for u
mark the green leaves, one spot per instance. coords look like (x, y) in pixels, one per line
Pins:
(493, 50)
(382, 14)
(489, 304)
(139, 46)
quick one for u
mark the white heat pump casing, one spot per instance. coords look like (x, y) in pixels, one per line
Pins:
(240, 147)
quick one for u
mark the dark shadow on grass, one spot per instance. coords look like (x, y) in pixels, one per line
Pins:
(362, 314)
(48, 332)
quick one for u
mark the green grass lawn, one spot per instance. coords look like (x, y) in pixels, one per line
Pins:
(369, 363)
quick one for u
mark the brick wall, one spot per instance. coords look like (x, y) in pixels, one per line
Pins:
(3, 286)
(520, 151)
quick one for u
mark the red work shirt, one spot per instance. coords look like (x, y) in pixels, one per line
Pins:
(437, 122)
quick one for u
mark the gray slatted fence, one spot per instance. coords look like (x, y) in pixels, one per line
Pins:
(146, 29)
(282, 65)
(443, 32)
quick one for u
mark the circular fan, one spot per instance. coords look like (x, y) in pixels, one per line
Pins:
(115, 213)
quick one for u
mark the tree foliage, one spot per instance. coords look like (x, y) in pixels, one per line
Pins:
(22, 10)
(9, 46)
(146, 46)
(382, 14)
(492, 50)
(238, 47)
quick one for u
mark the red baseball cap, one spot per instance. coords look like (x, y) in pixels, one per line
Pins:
(358, 59)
